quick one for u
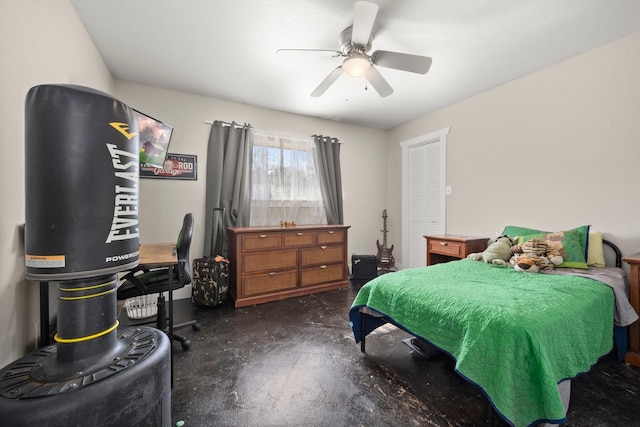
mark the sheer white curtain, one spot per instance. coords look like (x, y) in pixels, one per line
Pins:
(284, 180)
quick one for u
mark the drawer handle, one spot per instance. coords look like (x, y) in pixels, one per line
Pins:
(322, 267)
(443, 243)
(262, 236)
(273, 273)
(323, 247)
(299, 234)
(330, 231)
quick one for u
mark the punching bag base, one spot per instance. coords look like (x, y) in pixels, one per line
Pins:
(133, 390)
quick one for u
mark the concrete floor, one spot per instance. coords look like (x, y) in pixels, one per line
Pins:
(295, 363)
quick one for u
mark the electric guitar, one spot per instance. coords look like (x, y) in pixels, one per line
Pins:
(385, 257)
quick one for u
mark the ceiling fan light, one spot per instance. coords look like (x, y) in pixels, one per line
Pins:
(356, 65)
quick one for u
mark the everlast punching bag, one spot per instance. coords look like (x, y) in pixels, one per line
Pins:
(81, 228)
(81, 164)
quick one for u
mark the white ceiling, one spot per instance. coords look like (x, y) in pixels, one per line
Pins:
(227, 48)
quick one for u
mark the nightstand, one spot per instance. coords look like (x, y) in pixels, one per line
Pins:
(450, 247)
(633, 355)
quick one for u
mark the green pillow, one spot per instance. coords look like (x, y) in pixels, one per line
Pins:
(583, 234)
(568, 244)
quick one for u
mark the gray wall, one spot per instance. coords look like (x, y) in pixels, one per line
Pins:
(553, 150)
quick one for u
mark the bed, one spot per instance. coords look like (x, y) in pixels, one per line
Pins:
(520, 337)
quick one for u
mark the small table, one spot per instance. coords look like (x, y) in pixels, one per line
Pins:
(450, 247)
(633, 355)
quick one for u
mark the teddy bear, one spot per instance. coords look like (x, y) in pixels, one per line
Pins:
(534, 255)
(497, 253)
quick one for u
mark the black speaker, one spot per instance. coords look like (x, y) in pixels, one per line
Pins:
(364, 267)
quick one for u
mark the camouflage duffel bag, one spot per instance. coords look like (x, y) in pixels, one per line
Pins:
(210, 283)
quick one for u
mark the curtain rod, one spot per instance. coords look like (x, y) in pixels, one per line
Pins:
(333, 139)
(209, 122)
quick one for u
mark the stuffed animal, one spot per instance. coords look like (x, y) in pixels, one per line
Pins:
(534, 255)
(497, 253)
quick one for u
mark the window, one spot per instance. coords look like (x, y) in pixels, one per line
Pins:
(284, 180)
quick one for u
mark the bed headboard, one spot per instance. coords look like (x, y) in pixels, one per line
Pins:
(616, 250)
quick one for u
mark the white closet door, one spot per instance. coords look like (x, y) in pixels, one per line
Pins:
(423, 194)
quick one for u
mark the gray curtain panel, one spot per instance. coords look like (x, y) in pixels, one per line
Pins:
(328, 166)
(227, 183)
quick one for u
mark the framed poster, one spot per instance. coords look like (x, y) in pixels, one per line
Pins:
(155, 137)
(176, 166)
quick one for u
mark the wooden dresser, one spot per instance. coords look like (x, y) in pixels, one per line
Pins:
(273, 263)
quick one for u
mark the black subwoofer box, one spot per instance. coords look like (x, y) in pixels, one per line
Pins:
(364, 267)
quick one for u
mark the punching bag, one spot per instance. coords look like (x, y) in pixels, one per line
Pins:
(81, 229)
(81, 170)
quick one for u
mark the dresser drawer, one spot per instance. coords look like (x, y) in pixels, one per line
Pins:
(321, 255)
(322, 274)
(260, 241)
(298, 239)
(331, 236)
(445, 247)
(265, 283)
(270, 261)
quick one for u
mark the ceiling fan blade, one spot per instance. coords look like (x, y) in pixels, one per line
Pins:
(378, 82)
(364, 16)
(402, 61)
(308, 52)
(328, 81)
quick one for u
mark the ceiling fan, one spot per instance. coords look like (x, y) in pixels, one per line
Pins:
(355, 42)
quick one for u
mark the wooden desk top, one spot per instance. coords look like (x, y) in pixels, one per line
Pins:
(157, 255)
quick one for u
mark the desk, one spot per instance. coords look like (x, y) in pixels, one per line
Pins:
(154, 255)
(157, 255)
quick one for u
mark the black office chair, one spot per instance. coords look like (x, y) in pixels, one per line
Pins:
(144, 281)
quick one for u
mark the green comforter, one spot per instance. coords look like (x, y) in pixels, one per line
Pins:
(514, 334)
